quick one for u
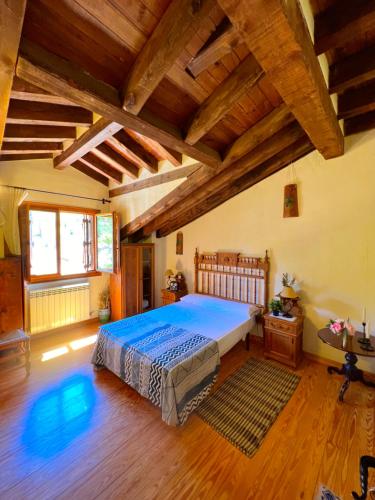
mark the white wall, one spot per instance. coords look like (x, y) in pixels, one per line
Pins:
(40, 174)
(330, 248)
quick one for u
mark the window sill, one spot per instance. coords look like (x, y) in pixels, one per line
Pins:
(46, 279)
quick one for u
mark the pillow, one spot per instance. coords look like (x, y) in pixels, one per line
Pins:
(215, 303)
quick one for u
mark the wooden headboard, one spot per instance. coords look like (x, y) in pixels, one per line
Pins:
(232, 276)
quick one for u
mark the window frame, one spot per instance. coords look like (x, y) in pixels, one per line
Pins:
(115, 242)
(24, 216)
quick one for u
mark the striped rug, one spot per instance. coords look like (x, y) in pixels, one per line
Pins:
(243, 409)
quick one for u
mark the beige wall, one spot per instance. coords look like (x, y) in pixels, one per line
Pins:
(40, 174)
(133, 204)
(330, 248)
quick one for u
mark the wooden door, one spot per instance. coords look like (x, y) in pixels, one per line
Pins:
(147, 275)
(11, 294)
(131, 279)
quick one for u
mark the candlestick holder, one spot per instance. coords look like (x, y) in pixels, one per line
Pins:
(367, 346)
(363, 339)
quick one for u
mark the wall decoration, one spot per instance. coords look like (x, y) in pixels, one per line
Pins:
(179, 243)
(290, 201)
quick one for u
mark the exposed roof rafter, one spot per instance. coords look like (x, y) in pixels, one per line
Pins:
(277, 35)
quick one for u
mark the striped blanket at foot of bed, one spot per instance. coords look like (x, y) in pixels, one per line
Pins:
(172, 367)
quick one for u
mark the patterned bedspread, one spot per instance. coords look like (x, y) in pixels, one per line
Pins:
(172, 367)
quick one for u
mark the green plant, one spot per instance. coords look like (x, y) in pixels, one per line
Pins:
(275, 305)
(104, 299)
(287, 280)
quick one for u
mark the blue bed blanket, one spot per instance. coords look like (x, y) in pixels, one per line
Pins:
(172, 367)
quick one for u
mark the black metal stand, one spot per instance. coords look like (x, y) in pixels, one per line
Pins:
(351, 373)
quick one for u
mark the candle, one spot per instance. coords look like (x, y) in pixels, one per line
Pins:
(368, 330)
(364, 315)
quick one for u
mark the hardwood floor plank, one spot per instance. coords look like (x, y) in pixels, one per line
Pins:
(105, 441)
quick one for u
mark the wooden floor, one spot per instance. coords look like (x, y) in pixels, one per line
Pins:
(68, 432)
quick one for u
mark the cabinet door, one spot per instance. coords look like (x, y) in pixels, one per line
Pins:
(147, 292)
(11, 295)
(280, 345)
(131, 279)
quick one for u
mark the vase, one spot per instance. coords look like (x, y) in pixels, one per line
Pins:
(344, 338)
(104, 315)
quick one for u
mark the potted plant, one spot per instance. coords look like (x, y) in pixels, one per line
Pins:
(275, 306)
(104, 311)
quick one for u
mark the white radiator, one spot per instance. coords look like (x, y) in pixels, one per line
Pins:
(54, 307)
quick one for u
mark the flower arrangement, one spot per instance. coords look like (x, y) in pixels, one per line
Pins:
(338, 326)
(288, 280)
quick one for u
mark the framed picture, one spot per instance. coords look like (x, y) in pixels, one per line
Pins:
(179, 243)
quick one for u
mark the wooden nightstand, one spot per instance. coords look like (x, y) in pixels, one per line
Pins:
(283, 339)
(170, 296)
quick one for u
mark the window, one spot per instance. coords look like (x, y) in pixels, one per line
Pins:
(65, 242)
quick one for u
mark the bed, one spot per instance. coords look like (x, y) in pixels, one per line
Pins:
(171, 355)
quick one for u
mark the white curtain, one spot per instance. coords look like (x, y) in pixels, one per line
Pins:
(10, 200)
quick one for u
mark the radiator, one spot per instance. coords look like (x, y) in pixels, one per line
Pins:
(55, 307)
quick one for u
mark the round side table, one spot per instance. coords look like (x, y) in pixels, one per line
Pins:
(352, 348)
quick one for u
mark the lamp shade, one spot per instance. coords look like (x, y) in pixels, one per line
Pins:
(168, 273)
(288, 293)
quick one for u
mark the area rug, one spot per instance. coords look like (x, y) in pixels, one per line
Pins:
(244, 408)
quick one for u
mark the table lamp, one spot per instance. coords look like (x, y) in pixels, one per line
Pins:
(289, 299)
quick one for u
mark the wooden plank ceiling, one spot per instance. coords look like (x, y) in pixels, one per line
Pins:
(234, 84)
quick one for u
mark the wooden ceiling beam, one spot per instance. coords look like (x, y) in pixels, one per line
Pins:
(102, 167)
(141, 157)
(261, 153)
(84, 169)
(223, 98)
(334, 27)
(28, 156)
(290, 154)
(277, 35)
(126, 153)
(25, 91)
(354, 70)
(174, 157)
(30, 147)
(223, 45)
(161, 211)
(40, 113)
(157, 150)
(155, 180)
(179, 23)
(12, 14)
(181, 192)
(356, 101)
(269, 125)
(116, 160)
(95, 135)
(59, 77)
(361, 123)
(38, 133)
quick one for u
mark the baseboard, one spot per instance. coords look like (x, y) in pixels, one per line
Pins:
(330, 362)
(64, 329)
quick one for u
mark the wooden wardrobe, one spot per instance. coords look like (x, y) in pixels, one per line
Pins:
(132, 288)
(11, 294)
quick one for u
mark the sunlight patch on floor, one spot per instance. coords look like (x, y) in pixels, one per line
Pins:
(54, 353)
(74, 345)
(78, 344)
